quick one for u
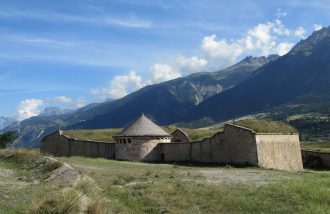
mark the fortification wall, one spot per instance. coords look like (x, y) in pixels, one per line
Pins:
(315, 159)
(58, 144)
(92, 149)
(175, 152)
(208, 150)
(278, 151)
(55, 144)
(239, 146)
(233, 146)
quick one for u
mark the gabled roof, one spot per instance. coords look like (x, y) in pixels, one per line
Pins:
(143, 127)
(180, 130)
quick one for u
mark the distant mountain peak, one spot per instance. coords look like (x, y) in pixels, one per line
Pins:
(261, 59)
(53, 111)
(314, 41)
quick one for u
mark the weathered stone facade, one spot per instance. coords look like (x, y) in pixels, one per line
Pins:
(236, 145)
(59, 144)
(179, 136)
(240, 146)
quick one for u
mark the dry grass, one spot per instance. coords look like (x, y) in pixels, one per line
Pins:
(34, 194)
(267, 126)
(134, 187)
(95, 134)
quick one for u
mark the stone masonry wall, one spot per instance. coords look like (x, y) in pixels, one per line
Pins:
(316, 159)
(58, 144)
(233, 146)
(279, 151)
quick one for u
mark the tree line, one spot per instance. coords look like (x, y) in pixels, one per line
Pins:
(6, 139)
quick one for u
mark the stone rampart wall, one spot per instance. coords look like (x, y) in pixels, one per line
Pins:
(279, 151)
(58, 144)
(316, 159)
(233, 146)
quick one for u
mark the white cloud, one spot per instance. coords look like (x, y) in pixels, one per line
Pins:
(263, 39)
(280, 13)
(99, 19)
(28, 108)
(120, 86)
(283, 48)
(280, 29)
(317, 27)
(163, 72)
(132, 22)
(63, 99)
(300, 32)
(192, 64)
(81, 102)
(221, 49)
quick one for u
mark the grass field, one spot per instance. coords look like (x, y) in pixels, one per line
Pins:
(323, 146)
(135, 187)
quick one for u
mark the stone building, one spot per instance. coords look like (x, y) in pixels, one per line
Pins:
(143, 140)
(179, 136)
(139, 141)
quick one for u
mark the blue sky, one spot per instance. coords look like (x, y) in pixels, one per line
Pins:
(71, 53)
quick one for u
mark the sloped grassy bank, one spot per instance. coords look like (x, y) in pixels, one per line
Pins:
(36, 184)
(30, 183)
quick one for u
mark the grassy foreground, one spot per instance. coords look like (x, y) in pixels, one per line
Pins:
(134, 187)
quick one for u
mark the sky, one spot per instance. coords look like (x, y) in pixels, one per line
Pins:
(72, 53)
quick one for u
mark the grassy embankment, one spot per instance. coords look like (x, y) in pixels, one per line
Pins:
(106, 134)
(259, 126)
(29, 184)
(133, 187)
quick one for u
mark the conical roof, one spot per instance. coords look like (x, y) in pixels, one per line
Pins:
(143, 127)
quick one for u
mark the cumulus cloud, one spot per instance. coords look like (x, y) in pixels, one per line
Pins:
(192, 64)
(283, 48)
(163, 72)
(28, 108)
(63, 99)
(300, 32)
(317, 27)
(81, 102)
(280, 13)
(120, 86)
(221, 49)
(263, 39)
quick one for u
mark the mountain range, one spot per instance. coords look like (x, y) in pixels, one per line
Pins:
(5, 121)
(301, 77)
(294, 83)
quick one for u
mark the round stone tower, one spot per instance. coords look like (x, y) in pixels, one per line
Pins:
(139, 141)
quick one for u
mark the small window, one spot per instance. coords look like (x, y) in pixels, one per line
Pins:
(129, 140)
(124, 140)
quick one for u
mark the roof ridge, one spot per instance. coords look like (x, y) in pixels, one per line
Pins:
(143, 126)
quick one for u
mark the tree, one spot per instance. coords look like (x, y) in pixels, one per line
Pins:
(7, 138)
